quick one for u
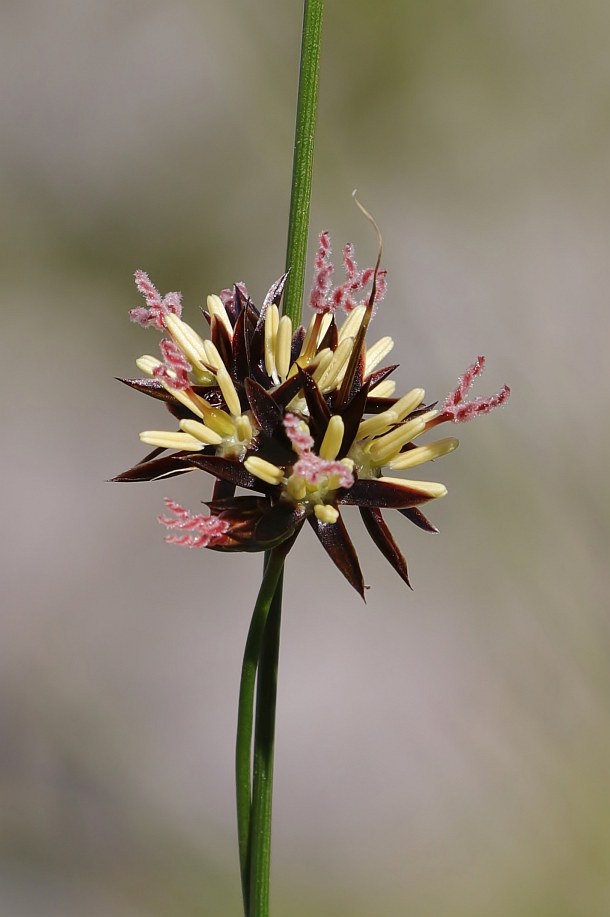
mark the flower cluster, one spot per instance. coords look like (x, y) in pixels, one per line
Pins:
(302, 418)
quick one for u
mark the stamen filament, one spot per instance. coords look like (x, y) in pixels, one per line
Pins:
(217, 419)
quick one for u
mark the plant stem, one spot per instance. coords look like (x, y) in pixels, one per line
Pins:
(274, 563)
(302, 164)
(262, 794)
(254, 783)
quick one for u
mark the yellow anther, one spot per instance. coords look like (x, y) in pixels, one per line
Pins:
(377, 353)
(148, 364)
(326, 513)
(384, 389)
(430, 488)
(324, 326)
(349, 328)
(296, 487)
(212, 357)
(403, 407)
(373, 426)
(272, 318)
(309, 333)
(216, 307)
(201, 432)
(187, 398)
(187, 340)
(167, 440)
(229, 392)
(339, 360)
(215, 418)
(332, 438)
(423, 454)
(427, 416)
(390, 444)
(323, 359)
(283, 343)
(265, 471)
(243, 428)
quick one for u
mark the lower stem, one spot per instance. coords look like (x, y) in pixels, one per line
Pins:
(270, 589)
(264, 741)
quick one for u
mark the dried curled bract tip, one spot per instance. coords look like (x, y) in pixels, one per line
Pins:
(157, 307)
(199, 531)
(457, 409)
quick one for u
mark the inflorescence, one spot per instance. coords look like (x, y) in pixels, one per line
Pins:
(303, 418)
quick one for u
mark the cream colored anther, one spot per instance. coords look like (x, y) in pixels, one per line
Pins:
(216, 307)
(229, 392)
(422, 454)
(332, 438)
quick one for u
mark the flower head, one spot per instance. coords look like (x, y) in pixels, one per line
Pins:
(304, 418)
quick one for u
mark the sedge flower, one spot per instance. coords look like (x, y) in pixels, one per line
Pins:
(303, 418)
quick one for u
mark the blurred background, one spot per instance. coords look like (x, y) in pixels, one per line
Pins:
(443, 752)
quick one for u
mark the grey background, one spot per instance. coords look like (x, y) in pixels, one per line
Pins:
(440, 752)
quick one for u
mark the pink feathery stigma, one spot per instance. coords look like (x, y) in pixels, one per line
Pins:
(323, 271)
(157, 307)
(300, 438)
(316, 470)
(382, 286)
(176, 368)
(203, 531)
(346, 295)
(310, 466)
(458, 410)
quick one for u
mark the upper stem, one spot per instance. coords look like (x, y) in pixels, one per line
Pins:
(302, 164)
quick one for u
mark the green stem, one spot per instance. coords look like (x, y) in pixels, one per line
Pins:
(254, 801)
(302, 164)
(274, 563)
(262, 792)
